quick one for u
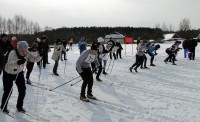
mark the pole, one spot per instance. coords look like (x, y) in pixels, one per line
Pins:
(76, 82)
(64, 83)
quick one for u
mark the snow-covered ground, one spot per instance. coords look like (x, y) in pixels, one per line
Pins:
(165, 93)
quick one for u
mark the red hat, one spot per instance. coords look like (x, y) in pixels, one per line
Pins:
(14, 42)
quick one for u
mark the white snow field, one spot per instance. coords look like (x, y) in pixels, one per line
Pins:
(165, 93)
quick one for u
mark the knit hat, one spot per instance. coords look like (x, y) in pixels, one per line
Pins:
(35, 45)
(3, 35)
(100, 39)
(22, 45)
(14, 41)
(95, 46)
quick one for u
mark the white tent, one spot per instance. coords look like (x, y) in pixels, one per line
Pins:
(115, 36)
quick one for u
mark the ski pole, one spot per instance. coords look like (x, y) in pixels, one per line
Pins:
(76, 82)
(64, 83)
(112, 66)
(9, 93)
(109, 64)
(65, 62)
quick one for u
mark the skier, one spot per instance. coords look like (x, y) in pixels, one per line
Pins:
(112, 49)
(171, 54)
(119, 49)
(184, 45)
(14, 72)
(5, 48)
(43, 47)
(191, 48)
(58, 48)
(84, 69)
(63, 52)
(82, 44)
(34, 51)
(152, 52)
(70, 43)
(139, 56)
(104, 56)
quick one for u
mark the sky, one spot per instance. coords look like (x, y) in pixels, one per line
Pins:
(111, 13)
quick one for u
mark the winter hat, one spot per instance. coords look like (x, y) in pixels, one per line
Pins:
(100, 39)
(58, 41)
(95, 46)
(38, 39)
(157, 46)
(22, 45)
(14, 41)
(35, 45)
(3, 35)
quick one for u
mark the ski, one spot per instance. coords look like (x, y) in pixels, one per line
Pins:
(9, 115)
(44, 88)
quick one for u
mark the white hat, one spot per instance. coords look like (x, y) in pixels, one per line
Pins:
(100, 39)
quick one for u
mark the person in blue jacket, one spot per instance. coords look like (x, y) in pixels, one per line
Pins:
(152, 52)
(82, 45)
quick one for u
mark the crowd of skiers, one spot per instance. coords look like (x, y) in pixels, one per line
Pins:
(16, 54)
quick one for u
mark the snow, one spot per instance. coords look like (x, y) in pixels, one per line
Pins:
(165, 93)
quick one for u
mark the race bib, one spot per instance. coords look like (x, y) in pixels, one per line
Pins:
(90, 58)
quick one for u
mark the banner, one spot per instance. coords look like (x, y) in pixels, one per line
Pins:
(128, 40)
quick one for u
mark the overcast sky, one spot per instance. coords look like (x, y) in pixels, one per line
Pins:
(76, 13)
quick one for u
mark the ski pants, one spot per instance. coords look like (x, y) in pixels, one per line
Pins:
(7, 87)
(87, 77)
(29, 67)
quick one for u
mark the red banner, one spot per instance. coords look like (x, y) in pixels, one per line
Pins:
(128, 40)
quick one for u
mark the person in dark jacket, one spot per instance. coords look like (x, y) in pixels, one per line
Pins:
(5, 48)
(184, 45)
(191, 48)
(64, 42)
(43, 47)
(34, 51)
(112, 49)
(119, 49)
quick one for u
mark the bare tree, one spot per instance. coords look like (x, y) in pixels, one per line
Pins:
(171, 28)
(184, 24)
(9, 26)
(164, 27)
(157, 25)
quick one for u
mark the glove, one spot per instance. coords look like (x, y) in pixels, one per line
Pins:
(58, 49)
(156, 53)
(21, 61)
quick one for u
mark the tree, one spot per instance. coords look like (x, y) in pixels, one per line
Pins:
(184, 24)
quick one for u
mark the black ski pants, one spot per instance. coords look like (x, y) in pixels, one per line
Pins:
(7, 87)
(87, 77)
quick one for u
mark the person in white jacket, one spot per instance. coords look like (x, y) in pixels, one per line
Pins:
(14, 72)
(58, 48)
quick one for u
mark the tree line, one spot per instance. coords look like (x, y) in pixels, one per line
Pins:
(29, 31)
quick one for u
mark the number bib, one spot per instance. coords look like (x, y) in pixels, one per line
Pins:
(90, 58)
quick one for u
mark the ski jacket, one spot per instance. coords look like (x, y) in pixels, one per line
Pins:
(57, 51)
(102, 51)
(141, 49)
(12, 67)
(85, 59)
